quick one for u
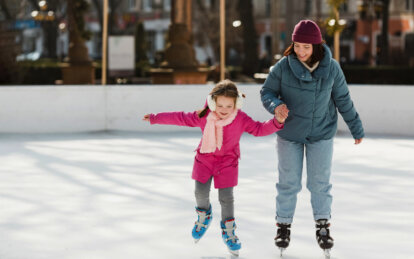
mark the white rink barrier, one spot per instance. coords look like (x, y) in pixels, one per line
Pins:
(59, 109)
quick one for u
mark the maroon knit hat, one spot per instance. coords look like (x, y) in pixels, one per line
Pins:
(307, 31)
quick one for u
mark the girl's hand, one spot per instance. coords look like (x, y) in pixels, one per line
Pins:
(357, 141)
(281, 113)
(146, 117)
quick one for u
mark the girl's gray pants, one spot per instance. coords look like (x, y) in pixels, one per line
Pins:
(225, 195)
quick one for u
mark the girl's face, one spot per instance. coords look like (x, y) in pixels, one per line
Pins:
(224, 106)
(303, 51)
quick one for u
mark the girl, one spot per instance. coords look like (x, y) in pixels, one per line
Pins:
(306, 88)
(222, 124)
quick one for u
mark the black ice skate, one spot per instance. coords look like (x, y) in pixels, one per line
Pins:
(282, 238)
(325, 241)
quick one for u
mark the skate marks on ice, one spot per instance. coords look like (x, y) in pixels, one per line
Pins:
(222, 257)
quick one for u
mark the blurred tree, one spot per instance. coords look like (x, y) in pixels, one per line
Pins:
(9, 47)
(5, 10)
(207, 30)
(383, 55)
(113, 6)
(141, 58)
(333, 25)
(78, 69)
(50, 27)
(251, 59)
(207, 24)
(140, 43)
(9, 72)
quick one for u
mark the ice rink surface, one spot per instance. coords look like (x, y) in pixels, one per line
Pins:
(130, 195)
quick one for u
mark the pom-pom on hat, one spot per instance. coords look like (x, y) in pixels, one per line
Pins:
(307, 31)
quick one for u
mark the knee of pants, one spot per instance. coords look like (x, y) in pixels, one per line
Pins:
(202, 195)
(226, 199)
(290, 188)
(318, 187)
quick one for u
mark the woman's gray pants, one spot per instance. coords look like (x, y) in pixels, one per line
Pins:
(202, 195)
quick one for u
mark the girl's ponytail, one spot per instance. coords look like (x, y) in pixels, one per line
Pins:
(203, 112)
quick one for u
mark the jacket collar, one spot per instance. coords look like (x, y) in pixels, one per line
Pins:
(303, 73)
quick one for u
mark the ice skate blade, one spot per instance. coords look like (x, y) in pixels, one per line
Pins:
(327, 253)
(281, 251)
(234, 252)
(196, 241)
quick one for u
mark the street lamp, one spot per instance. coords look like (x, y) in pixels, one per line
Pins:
(43, 14)
(335, 25)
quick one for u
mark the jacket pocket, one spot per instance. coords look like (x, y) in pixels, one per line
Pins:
(332, 110)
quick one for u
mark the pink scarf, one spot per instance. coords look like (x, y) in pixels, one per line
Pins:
(213, 132)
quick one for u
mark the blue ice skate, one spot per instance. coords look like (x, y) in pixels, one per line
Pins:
(202, 223)
(229, 238)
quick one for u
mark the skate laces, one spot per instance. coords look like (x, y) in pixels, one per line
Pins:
(230, 234)
(201, 219)
(283, 230)
(229, 230)
(202, 216)
(322, 228)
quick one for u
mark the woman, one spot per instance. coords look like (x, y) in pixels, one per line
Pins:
(306, 88)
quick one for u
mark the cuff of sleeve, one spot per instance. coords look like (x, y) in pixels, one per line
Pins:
(152, 118)
(359, 136)
(278, 124)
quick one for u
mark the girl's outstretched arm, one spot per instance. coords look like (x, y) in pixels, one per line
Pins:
(258, 128)
(189, 119)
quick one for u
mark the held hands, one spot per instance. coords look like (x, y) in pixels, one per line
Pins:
(281, 113)
(146, 117)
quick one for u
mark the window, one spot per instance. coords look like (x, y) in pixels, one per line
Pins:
(409, 4)
(167, 5)
(147, 5)
(268, 8)
(132, 4)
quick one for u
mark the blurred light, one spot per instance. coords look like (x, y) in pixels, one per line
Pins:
(278, 56)
(62, 26)
(34, 13)
(50, 13)
(331, 22)
(236, 23)
(260, 75)
(42, 3)
(342, 22)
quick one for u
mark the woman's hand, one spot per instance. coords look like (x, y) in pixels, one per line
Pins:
(281, 113)
(146, 117)
(357, 141)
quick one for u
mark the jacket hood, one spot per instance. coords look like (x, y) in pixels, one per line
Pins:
(303, 73)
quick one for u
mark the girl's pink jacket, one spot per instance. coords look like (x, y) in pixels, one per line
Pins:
(221, 164)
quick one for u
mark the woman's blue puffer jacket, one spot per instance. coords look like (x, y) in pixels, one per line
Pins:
(312, 99)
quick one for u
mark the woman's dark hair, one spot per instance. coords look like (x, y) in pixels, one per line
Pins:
(317, 54)
(225, 88)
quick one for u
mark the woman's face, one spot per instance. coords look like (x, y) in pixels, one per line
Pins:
(303, 51)
(224, 106)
